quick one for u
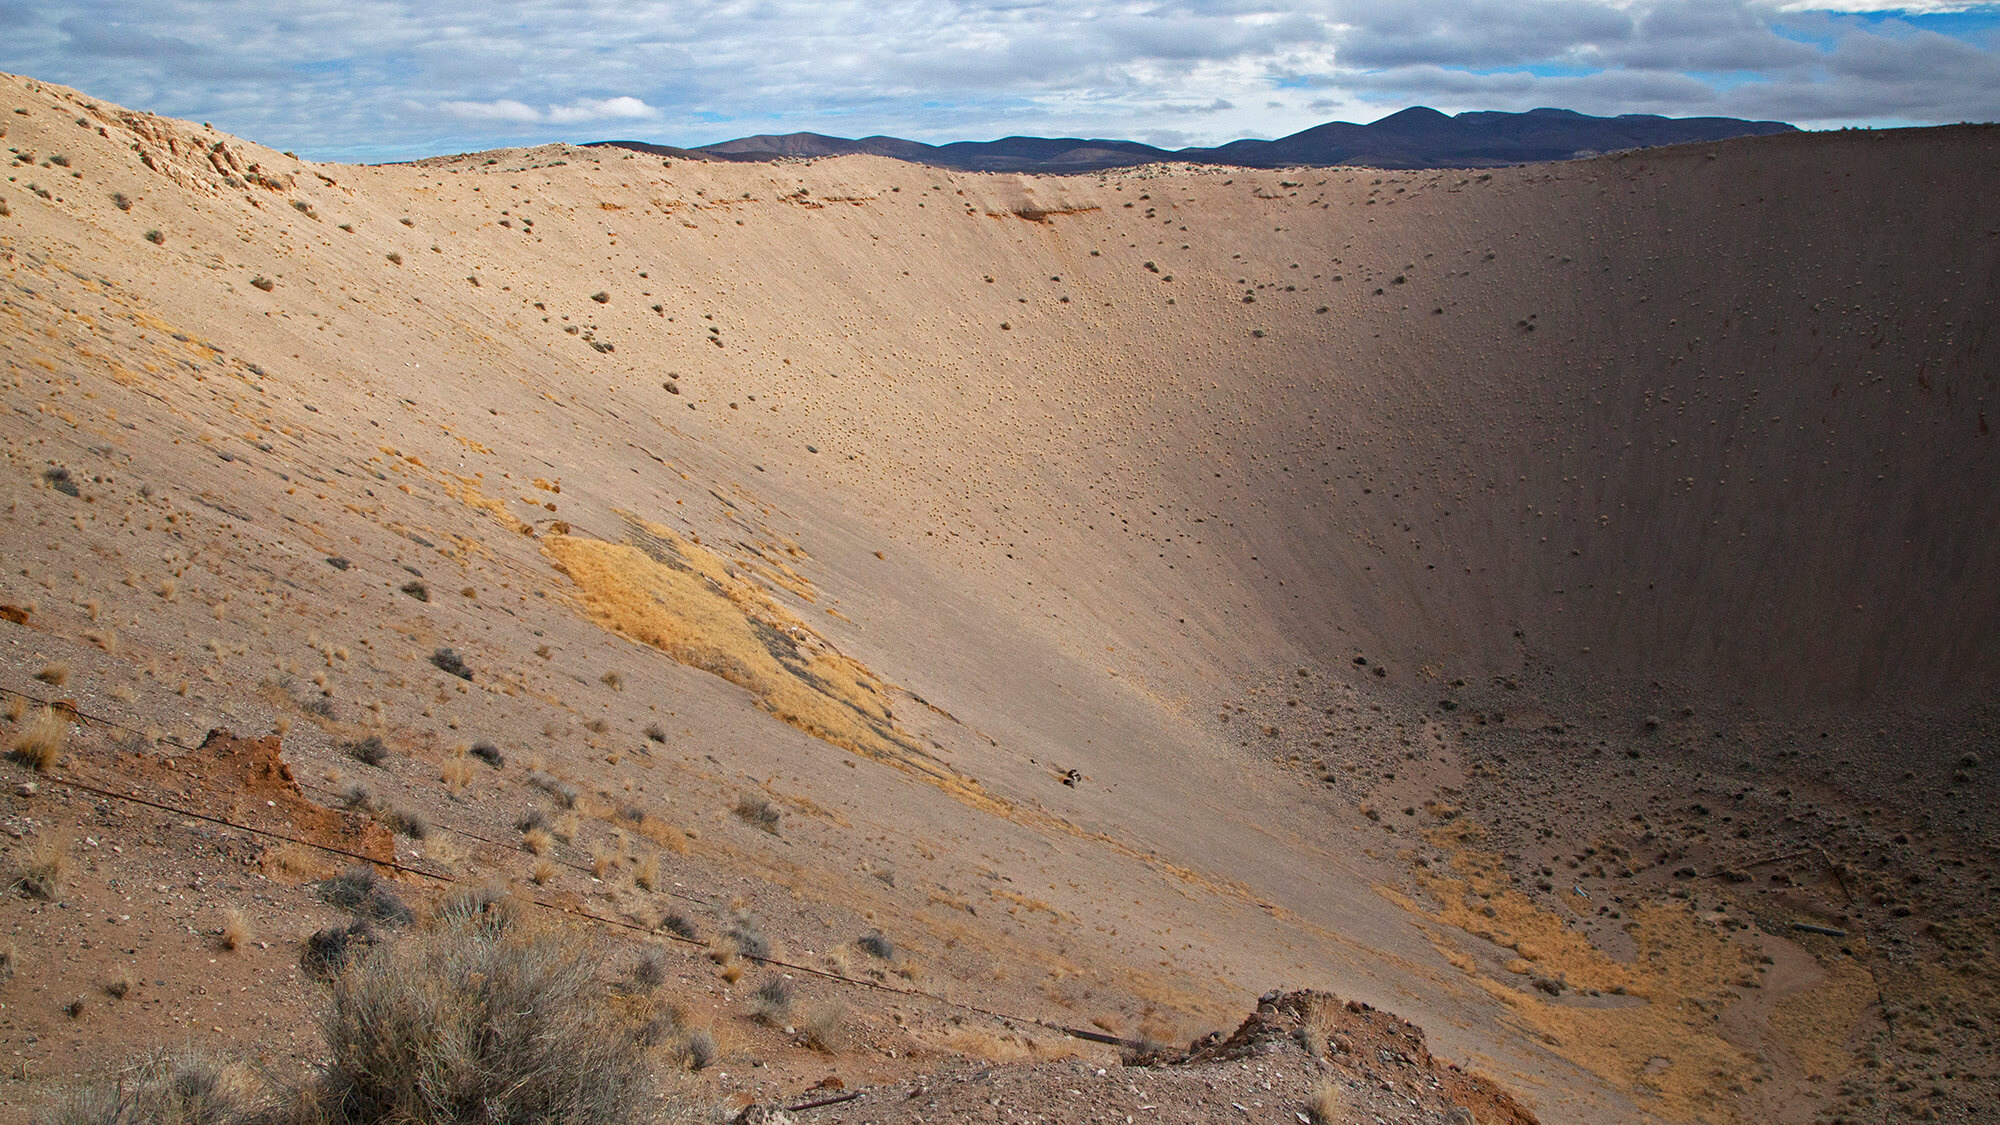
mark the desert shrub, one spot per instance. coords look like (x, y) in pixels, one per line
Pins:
(368, 751)
(403, 822)
(564, 793)
(359, 798)
(876, 945)
(62, 480)
(757, 812)
(649, 971)
(468, 1023)
(362, 891)
(772, 1002)
(121, 201)
(748, 935)
(655, 734)
(489, 753)
(156, 238)
(700, 1050)
(678, 925)
(601, 297)
(416, 589)
(183, 1088)
(264, 283)
(448, 661)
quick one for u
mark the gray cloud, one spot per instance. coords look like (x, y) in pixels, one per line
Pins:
(388, 78)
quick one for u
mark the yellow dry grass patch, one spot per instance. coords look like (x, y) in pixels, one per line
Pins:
(466, 491)
(1668, 1046)
(662, 590)
(1813, 1023)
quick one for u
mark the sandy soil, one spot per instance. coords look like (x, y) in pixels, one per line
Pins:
(1516, 601)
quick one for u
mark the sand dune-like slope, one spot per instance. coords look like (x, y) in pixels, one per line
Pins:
(1370, 545)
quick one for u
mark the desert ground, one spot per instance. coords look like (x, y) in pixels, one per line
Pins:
(946, 637)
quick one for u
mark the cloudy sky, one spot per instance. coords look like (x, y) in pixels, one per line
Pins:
(387, 79)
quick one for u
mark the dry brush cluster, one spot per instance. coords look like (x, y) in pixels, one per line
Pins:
(476, 1016)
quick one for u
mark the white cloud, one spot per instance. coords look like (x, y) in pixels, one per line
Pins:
(509, 111)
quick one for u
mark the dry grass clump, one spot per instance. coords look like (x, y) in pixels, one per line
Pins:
(54, 675)
(413, 1041)
(456, 773)
(47, 869)
(120, 982)
(40, 746)
(825, 1025)
(646, 872)
(182, 1088)
(1324, 1104)
(235, 930)
(538, 840)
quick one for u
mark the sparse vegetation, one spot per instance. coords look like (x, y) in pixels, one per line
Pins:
(447, 661)
(54, 675)
(235, 930)
(264, 283)
(416, 589)
(40, 745)
(489, 753)
(404, 822)
(60, 479)
(1324, 1104)
(655, 734)
(876, 945)
(182, 1088)
(360, 890)
(772, 1002)
(533, 1043)
(46, 870)
(757, 812)
(156, 238)
(564, 793)
(612, 680)
(825, 1025)
(369, 751)
(327, 953)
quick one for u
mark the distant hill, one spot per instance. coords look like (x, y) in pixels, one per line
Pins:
(1414, 138)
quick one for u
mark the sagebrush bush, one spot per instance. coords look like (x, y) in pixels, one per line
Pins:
(471, 1022)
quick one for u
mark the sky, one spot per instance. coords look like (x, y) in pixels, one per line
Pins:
(364, 80)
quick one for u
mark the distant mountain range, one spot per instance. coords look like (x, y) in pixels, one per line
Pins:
(1414, 138)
